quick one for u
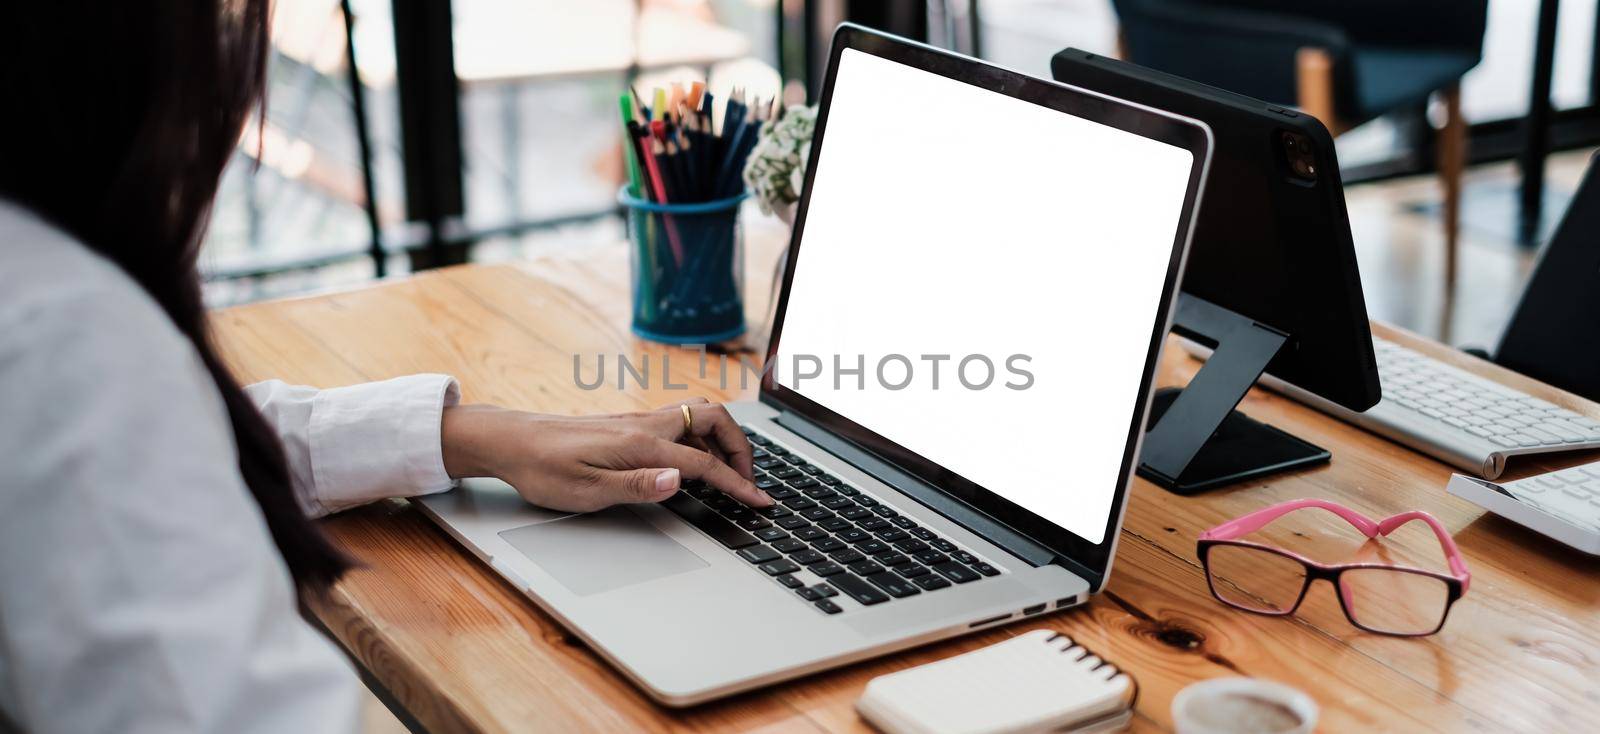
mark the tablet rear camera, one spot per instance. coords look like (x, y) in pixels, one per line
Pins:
(1298, 153)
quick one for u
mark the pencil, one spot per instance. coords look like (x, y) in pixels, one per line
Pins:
(630, 150)
(659, 105)
(735, 131)
(653, 162)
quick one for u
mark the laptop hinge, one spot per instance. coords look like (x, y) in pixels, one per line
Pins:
(957, 511)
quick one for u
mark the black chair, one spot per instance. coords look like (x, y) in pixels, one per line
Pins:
(1552, 334)
(1344, 61)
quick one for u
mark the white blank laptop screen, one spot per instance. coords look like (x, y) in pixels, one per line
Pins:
(946, 219)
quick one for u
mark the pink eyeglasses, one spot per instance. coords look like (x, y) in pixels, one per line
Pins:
(1376, 597)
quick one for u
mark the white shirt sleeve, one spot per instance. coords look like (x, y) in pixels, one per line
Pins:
(351, 445)
(140, 590)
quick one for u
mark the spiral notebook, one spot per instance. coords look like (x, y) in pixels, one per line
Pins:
(1038, 681)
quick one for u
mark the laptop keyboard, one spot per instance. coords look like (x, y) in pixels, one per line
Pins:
(826, 540)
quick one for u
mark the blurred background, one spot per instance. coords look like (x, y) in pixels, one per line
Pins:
(490, 133)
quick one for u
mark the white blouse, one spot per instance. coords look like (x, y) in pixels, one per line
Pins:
(139, 588)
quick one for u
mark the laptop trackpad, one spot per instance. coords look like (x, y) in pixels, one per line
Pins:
(602, 551)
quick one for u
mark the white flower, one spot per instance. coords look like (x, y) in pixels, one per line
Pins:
(775, 171)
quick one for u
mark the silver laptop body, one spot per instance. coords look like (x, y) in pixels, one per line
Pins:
(688, 620)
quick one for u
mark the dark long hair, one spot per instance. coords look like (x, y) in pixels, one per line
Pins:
(117, 121)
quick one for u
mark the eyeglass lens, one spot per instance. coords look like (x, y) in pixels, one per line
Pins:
(1255, 579)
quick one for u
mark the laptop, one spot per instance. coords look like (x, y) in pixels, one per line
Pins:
(979, 285)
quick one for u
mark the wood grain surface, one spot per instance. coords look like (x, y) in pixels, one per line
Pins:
(463, 651)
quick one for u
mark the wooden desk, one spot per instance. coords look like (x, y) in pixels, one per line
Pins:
(463, 651)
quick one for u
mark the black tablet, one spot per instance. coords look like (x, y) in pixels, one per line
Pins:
(1272, 241)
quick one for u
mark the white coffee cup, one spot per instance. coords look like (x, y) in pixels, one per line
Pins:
(1243, 706)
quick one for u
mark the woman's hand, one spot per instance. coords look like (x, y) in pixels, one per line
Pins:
(581, 464)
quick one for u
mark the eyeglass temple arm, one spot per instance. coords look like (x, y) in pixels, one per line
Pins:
(1452, 554)
(1247, 524)
(1254, 521)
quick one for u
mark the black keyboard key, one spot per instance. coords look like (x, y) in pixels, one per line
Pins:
(782, 493)
(986, 569)
(793, 522)
(876, 523)
(710, 523)
(872, 547)
(756, 453)
(816, 514)
(754, 523)
(827, 545)
(801, 482)
(828, 606)
(835, 524)
(866, 501)
(892, 535)
(820, 591)
(737, 512)
(759, 554)
(944, 545)
(885, 511)
(865, 568)
(897, 587)
(854, 535)
(774, 512)
(791, 581)
(911, 570)
(789, 545)
(924, 534)
(839, 484)
(863, 592)
(769, 462)
(964, 557)
(720, 501)
(778, 450)
(827, 569)
(956, 572)
(837, 503)
(810, 533)
(771, 534)
(847, 556)
(701, 492)
(760, 440)
(931, 557)
(911, 546)
(820, 493)
(799, 503)
(904, 523)
(748, 431)
(779, 568)
(930, 582)
(807, 557)
(811, 469)
(890, 558)
(855, 513)
(786, 472)
(767, 483)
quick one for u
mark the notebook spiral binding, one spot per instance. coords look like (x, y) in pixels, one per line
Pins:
(1133, 701)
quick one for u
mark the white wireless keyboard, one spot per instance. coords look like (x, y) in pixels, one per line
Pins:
(1564, 505)
(1470, 422)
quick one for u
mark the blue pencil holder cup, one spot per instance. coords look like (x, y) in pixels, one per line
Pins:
(687, 268)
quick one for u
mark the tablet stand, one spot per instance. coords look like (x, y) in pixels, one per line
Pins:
(1198, 441)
